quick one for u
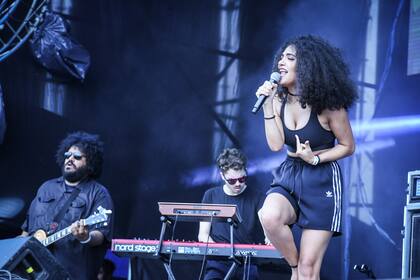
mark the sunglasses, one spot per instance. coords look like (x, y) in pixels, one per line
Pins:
(76, 155)
(233, 181)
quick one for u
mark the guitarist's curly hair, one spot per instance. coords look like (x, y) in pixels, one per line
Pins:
(90, 145)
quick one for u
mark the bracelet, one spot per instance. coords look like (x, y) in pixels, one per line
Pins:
(87, 240)
(316, 160)
(269, 118)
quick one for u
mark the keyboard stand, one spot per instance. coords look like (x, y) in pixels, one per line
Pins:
(235, 261)
(165, 221)
(231, 271)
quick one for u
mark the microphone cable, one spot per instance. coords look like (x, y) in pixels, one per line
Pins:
(247, 267)
(172, 240)
(206, 248)
(7, 275)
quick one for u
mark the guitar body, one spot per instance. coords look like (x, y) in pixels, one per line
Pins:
(40, 235)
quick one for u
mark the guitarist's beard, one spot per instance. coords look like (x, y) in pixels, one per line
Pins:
(75, 176)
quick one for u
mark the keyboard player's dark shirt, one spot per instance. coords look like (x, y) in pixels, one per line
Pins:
(248, 203)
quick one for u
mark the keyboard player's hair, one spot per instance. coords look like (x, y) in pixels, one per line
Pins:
(231, 158)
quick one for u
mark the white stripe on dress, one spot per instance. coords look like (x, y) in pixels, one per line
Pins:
(335, 226)
(334, 179)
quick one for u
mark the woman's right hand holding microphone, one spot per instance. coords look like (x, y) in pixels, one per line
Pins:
(268, 89)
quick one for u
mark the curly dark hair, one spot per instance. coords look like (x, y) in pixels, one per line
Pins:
(90, 145)
(323, 80)
(231, 159)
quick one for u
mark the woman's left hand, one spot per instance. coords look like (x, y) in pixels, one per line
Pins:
(304, 151)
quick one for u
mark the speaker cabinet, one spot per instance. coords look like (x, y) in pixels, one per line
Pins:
(411, 240)
(29, 259)
(415, 246)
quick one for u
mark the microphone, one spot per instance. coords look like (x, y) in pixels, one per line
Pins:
(274, 78)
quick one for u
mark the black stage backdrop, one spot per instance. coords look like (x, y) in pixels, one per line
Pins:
(148, 92)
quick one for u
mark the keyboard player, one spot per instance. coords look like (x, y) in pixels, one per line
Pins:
(232, 167)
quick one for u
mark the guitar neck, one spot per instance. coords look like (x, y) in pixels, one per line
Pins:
(94, 219)
(56, 236)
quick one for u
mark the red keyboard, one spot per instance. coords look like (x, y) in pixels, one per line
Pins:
(262, 254)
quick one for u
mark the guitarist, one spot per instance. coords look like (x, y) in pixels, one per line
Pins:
(64, 201)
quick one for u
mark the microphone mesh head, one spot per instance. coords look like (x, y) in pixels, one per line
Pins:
(275, 77)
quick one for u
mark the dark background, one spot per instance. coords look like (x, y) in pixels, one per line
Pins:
(150, 88)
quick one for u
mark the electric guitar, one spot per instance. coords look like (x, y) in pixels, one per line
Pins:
(96, 218)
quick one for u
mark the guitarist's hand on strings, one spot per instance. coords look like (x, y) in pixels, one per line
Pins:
(80, 231)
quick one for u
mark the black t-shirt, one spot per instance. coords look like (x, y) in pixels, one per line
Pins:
(248, 203)
(80, 260)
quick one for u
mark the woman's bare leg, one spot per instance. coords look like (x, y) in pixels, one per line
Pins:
(276, 215)
(313, 245)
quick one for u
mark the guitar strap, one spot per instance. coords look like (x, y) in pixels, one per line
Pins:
(62, 212)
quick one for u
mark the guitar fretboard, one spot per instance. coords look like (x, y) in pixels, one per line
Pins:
(56, 236)
(95, 219)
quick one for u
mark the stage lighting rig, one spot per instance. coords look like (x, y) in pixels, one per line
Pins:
(18, 20)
